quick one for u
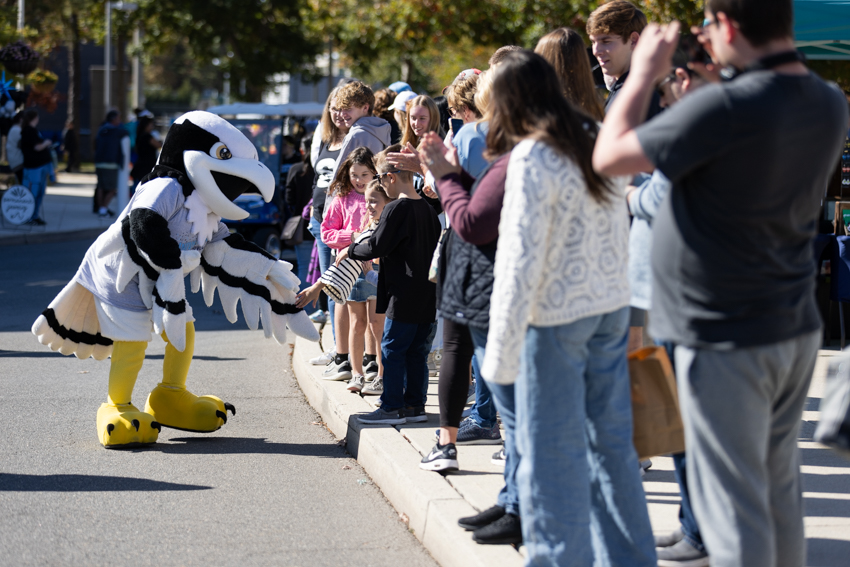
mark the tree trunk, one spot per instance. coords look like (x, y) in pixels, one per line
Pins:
(74, 84)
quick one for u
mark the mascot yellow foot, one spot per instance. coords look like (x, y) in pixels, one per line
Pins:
(176, 407)
(122, 425)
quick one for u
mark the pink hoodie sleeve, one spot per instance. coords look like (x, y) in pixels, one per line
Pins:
(334, 233)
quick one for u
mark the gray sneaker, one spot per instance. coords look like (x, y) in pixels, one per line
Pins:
(435, 358)
(470, 433)
(682, 554)
(670, 539)
(356, 383)
(375, 387)
(381, 416)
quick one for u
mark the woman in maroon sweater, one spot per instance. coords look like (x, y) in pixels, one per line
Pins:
(466, 282)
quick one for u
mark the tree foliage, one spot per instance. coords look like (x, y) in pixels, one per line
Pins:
(383, 40)
(249, 39)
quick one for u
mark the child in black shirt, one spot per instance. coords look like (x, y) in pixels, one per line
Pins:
(404, 241)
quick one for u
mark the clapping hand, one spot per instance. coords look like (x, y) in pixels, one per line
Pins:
(407, 159)
(439, 159)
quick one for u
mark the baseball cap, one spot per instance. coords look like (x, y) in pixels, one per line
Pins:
(402, 99)
(399, 87)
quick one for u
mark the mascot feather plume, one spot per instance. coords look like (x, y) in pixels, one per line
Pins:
(132, 281)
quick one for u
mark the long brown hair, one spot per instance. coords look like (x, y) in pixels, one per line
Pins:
(330, 133)
(564, 49)
(433, 124)
(341, 185)
(527, 102)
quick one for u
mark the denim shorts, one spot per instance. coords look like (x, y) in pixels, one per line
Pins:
(362, 291)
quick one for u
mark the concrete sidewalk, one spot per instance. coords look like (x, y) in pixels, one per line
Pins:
(67, 211)
(431, 504)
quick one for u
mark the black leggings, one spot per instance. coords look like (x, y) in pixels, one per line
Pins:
(455, 372)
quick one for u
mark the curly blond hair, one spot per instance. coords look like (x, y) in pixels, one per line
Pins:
(355, 94)
(461, 94)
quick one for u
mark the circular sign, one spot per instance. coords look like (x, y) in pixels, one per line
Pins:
(18, 204)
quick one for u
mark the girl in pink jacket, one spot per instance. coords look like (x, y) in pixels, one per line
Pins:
(343, 220)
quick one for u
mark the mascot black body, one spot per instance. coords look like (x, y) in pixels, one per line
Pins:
(131, 282)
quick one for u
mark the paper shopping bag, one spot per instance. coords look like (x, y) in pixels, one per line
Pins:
(658, 428)
(834, 425)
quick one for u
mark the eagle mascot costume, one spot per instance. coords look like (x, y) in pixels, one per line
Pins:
(131, 281)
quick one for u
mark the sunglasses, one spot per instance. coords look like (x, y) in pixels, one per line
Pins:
(381, 175)
(668, 79)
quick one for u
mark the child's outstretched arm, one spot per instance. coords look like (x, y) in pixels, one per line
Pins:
(309, 295)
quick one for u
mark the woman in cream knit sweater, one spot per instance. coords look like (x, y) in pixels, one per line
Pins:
(558, 323)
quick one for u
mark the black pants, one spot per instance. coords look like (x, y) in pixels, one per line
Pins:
(455, 372)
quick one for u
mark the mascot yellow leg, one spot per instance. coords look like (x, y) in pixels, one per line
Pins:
(119, 422)
(174, 406)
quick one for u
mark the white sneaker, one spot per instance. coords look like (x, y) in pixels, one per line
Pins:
(323, 359)
(334, 371)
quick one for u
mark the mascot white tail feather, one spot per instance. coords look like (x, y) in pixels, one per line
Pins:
(74, 309)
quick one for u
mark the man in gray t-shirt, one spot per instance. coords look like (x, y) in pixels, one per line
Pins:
(733, 263)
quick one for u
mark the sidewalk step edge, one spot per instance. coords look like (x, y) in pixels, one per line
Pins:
(431, 505)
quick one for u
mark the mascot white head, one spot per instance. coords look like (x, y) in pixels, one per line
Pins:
(218, 159)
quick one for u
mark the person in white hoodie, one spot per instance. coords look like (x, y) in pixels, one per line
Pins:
(354, 102)
(352, 106)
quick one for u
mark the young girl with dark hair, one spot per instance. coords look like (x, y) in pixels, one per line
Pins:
(343, 220)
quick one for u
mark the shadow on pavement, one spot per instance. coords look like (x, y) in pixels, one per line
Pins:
(85, 483)
(50, 353)
(244, 445)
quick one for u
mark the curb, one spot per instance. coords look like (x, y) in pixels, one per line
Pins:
(428, 503)
(48, 237)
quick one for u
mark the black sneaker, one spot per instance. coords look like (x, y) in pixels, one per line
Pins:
(382, 416)
(416, 414)
(370, 370)
(506, 530)
(440, 459)
(485, 518)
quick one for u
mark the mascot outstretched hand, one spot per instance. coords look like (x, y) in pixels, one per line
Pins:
(132, 281)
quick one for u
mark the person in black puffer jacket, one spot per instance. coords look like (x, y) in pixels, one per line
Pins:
(464, 287)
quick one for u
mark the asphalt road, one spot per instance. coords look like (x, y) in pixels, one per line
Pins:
(272, 487)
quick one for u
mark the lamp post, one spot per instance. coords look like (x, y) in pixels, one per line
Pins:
(123, 173)
(20, 15)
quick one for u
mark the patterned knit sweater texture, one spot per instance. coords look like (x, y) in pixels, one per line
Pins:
(561, 257)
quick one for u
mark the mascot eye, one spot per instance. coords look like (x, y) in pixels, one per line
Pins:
(220, 151)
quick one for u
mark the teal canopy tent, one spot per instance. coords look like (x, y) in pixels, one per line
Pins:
(822, 28)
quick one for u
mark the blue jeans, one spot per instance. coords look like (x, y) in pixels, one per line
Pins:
(483, 410)
(36, 181)
(505, 403)
(404, 353)
(303, 252)
(324, 262)
(690, 528)
(578, 476)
